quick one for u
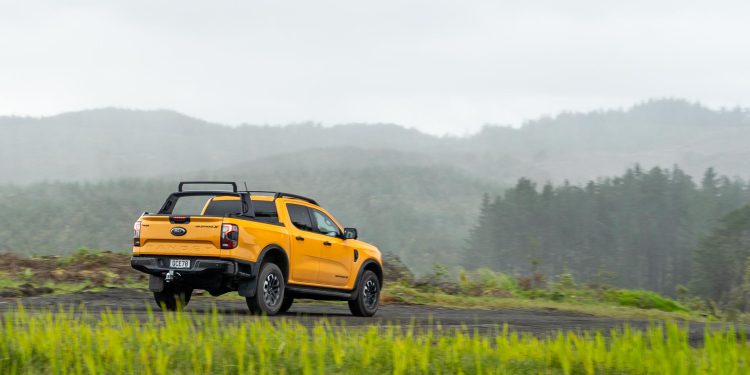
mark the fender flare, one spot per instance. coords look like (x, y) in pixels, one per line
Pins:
(362, 270)
(248, 287)
(266, 250)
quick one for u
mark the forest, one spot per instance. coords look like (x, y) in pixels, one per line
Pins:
(657, 229)
(639, 230)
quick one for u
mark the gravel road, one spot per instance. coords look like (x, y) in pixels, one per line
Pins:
(535, 321)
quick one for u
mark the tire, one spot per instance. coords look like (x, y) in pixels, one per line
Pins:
(173, 298)
(269, 295)
(288, 301)
(368, 296)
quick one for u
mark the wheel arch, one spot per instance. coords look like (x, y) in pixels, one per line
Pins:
(276, 254)
(370, 265)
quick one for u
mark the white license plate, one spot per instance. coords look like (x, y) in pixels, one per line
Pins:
(179, 263)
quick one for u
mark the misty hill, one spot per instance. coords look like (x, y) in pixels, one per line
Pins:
(417, 212)
(113, 143)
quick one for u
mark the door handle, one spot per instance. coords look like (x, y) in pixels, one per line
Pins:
(299, 238)
(327, 243)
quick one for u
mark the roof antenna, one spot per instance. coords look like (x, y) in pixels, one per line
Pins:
(246, 189)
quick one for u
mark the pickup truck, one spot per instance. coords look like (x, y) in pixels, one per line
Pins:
(270, 247)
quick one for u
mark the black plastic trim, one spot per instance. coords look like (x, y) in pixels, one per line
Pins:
(270, 247)
(247, 203)
(299, 291)
(295, 196)
(362, 270)
(156, 265)
(182, 183)
(248, 287)
(278, 194)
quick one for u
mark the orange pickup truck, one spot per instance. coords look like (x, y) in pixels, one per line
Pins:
(270, 247)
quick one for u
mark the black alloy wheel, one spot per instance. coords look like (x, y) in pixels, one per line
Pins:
(269, 294)
(368, 296)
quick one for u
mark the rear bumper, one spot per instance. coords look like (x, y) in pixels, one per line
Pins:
(213, 274)
(158, 265)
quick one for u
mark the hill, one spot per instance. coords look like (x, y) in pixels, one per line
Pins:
(115, 143)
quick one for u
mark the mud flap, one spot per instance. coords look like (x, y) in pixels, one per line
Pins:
(247, 288)
(155, 283)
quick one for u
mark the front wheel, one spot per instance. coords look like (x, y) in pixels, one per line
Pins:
(269, 295)
(171, 298)
(288, 301)
(368, 296)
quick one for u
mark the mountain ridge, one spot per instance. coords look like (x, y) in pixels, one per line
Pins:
(114, 143)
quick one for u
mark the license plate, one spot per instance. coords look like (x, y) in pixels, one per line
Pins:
(179, 263)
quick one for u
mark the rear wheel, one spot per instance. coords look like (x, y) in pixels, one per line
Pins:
(368, 296)
(269, 295)
(172, 297)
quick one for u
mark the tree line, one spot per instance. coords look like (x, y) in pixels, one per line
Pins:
(638, 230)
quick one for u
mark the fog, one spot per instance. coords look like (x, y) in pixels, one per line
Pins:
(443, 67)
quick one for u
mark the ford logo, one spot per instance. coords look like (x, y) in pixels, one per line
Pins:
(178, 231)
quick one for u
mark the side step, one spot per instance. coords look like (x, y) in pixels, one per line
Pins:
(320, 293)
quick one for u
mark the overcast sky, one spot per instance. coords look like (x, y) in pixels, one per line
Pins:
(439, 66)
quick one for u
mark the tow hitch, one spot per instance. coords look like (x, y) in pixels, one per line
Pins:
(171, 276)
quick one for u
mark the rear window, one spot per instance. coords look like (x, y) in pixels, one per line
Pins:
(223, 208)
(191, 206)
(265, 211)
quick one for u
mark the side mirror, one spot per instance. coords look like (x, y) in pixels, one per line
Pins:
(350, 233)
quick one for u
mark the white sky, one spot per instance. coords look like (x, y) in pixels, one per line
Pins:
(439, 66)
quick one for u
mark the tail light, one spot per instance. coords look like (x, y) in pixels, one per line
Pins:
(137, 234)
(229, 235)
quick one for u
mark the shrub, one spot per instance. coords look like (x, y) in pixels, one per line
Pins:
(486, 282)
(645, 299)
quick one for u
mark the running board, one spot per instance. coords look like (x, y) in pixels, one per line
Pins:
(319, 293)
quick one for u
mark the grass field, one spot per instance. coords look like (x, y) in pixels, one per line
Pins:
(75, 342)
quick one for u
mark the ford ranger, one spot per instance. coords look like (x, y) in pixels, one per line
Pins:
(270, 247)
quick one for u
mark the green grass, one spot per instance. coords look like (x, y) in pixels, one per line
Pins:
(75, 342)
(484, 288)
(402, 293)
(644, 299)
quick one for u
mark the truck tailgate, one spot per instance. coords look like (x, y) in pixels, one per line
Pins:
(201, 235)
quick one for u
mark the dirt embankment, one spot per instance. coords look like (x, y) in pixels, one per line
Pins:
(22, 276)
(32, 276)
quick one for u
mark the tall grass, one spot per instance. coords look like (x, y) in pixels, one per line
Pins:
(75, 342)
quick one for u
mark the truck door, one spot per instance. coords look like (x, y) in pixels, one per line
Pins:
(304, 264)
(336, 259)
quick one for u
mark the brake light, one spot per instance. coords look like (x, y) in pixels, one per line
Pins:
(229, 236)
(137, 234)
(179, 219)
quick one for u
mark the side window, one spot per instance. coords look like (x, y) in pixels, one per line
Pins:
(265, 211)
(324, 224)
(300, 217)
